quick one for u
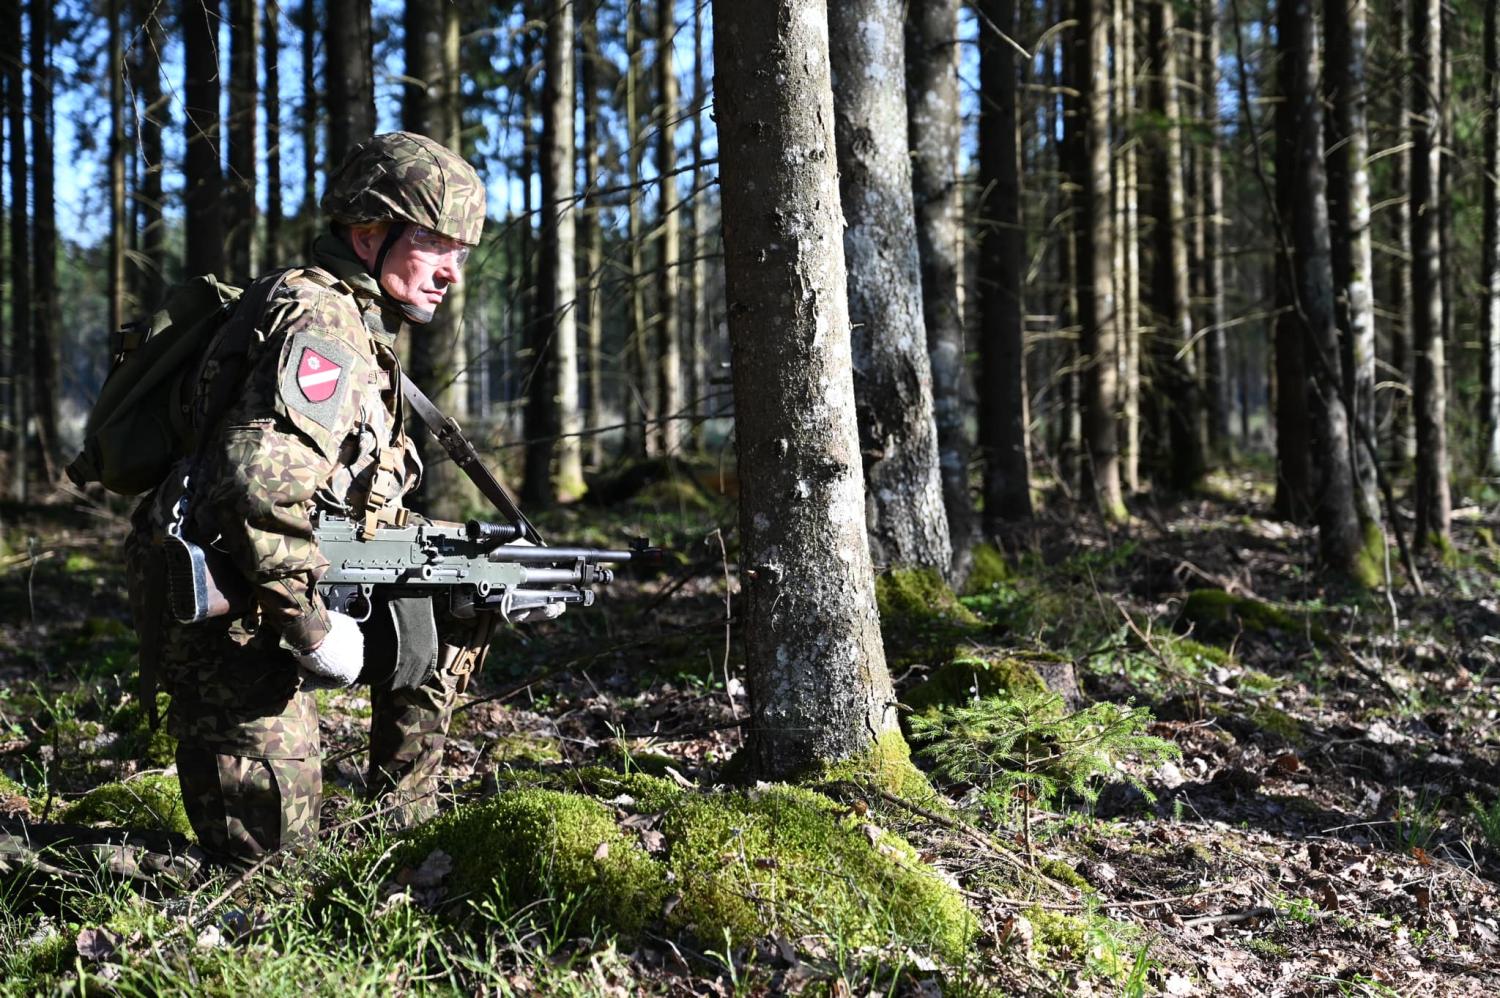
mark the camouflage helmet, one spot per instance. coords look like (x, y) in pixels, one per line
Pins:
(405, 177)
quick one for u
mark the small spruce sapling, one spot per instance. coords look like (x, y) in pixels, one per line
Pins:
(1030, 748)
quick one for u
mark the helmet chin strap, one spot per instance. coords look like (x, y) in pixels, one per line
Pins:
(413, 313)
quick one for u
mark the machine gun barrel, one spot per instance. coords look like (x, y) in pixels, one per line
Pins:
(551, 555)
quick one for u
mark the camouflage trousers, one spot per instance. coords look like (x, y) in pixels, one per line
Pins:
(254, 784)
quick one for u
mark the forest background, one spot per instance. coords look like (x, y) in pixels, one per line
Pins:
(1119, 276)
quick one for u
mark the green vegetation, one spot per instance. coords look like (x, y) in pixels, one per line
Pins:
(150, 802)
(1487, 819)
(1220, 617)
(920, 618)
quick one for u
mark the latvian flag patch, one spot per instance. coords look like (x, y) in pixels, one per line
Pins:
(317, 376)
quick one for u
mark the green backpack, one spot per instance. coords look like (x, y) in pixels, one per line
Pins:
(154, 402)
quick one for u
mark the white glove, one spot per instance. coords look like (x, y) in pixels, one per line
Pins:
(531, 615)
(338, 659)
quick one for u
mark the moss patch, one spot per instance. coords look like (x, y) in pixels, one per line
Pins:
(968, 677)
(787, 860)
(886, 766)
(148, 802)
(989, 571)
(524, 750)
(1217, 616)
(920, 618)
(137, 740)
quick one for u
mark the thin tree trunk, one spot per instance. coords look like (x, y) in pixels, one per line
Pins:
(272, 251)
(932, 53)
(12, 66)
(1430, 391)
(668, 328)
(45, 324)
(204, 181)
(700, 326)
(1403, 433)
(349, 77)
(1130, 430)
(1489, 310)
(1002, 250)
(1098, 325)
(638, 438)
(239, 201)
(904, 511)
(593, 242)
(819, 689)
(1175, 381)
(1071, 165)
(310, 104)
(150, 40)
(1215, 350)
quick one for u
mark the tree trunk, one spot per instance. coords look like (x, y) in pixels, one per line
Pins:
(1175, 380)
(45, 325)
(593, 242)
(239, 194)
(1403, 435)
(155, 112)
(638, 437)
(1098, 321)
(12, 65)
(1002, 250)
(1349, 205)
(349, 77)
(118, 292)
(819, 689)
(272, 252)
(700, 325)
(438, 358)
(553, 406)
(1130, 429)
(1215, 349)
(203, 179)
(1429, 390)
(935, 132)
(1340, 537)
(668, 334)
(1489, 309)
(892, 380)
(309, 208)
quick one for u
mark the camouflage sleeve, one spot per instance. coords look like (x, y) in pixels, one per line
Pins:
(279, 445)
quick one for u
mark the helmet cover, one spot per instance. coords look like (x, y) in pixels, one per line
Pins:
(406, 177)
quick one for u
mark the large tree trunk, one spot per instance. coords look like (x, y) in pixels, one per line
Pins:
(935, 132)
(668, 333)
(1489, 310)
(203, 180)
(12, 64)
(1098, 321)
(1349, 206)
(1175, 380)
(349, 77)
(1430, 390)
(1339, 535)
(272, 252)
(1002, 251)
(438, 358)
(892, 380)
(553, 407)
(592, 237)
(239, 194)
(45, 325)
(819, 689)
(637, 395)
(154, 114)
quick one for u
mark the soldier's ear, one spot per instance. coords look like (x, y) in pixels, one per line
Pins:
(365, 240)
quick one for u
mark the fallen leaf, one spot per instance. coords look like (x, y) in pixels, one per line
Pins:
(1017, 929)
(672, 902)
(653, 841)
(1285, 764)
(1177, 984)
(96, 944)
(1421, 856)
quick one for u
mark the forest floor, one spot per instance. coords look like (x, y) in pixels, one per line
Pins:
(1332, 825)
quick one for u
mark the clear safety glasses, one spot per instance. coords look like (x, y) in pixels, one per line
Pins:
(439, 247)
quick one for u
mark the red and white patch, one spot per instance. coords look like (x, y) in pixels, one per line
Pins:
(317, 376)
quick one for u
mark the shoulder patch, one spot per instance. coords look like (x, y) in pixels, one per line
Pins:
(315, 376)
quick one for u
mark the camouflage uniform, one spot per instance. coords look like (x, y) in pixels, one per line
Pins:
(248, 754)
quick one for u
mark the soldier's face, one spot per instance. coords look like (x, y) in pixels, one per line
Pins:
(420, 268)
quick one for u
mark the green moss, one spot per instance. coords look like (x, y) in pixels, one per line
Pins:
(989, 570)
(137, 740)
(524, 750)
(152, 801)
(920, 618)
(886, 766)
(1218, 616)
(1369, 563)
(967, 677)
(49, 956)
(1101, 943)
(534, 844)
(13, 791)
(1063, 873)
(789, 861)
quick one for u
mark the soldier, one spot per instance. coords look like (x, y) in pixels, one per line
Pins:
(317, 423)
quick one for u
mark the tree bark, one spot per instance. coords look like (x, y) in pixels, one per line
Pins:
(638, 437)
(668, 328)
(45, 325)
(700, 325)
(904, 512)
(1215, 348)
(118, 291)
(309, 208)
(349, 77)
(272, 251)
(1489, 310)
(150, 41)
(12, 66)
(592, 238)
(1098, 326)
(239, 201)
(935, 132)
(203, 180)
(1430, 391)
(1002, 250)
(1175, 378)
(1403, 436)
(1130, 429)
(819, 689)
(553, 407)
(438, 358)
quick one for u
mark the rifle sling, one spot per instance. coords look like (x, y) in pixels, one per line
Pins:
(448, 433)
